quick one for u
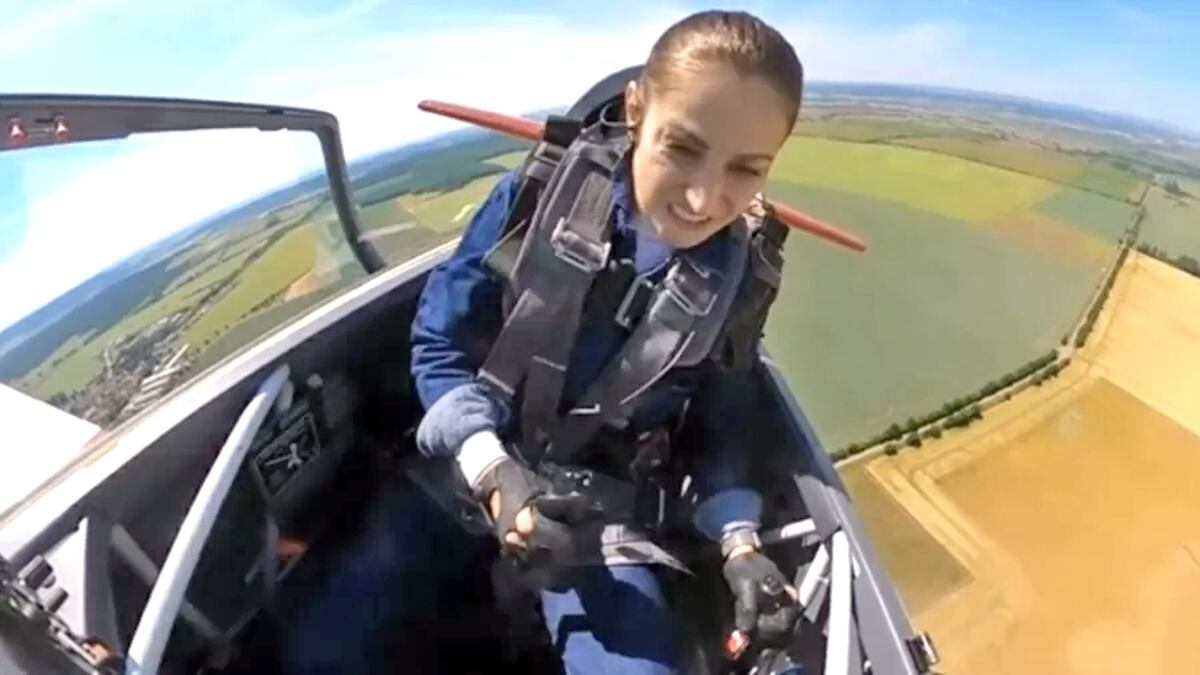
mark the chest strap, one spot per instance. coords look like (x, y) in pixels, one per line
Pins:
(684, 318)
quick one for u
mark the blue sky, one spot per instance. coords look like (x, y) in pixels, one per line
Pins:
(370, 61)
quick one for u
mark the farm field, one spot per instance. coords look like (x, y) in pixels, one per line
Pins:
(1015, 143)
(868, 128)
(449, 211)
(1105, 217)
(244, 266)
(1173, 223)
(922, 570)
(78, 361)
(284, 262)
(1021, 279)
(869, 340)
(930, 181)
(226, 282)
(442, 211)
(967, 277)
(1070, 507)
(1029, 159)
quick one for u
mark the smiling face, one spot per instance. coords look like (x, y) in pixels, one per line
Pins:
(703, 149)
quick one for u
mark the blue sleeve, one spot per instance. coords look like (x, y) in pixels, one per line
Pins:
(458, 316)
(720, 441)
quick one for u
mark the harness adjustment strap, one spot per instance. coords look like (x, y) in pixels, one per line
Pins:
(649, 352)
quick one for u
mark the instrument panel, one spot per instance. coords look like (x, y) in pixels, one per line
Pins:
(278, 460)
(300, 448)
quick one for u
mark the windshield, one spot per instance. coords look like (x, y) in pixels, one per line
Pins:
(142, 261)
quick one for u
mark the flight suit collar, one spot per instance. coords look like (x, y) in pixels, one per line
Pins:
(709, 255)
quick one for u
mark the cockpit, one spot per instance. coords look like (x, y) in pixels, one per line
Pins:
(247, 373)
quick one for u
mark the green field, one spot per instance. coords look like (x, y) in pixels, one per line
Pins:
(930, 181)
(936, 309)
(867, 128)
(442, 211)
(84, 360)
(283, 263)
(1105, 179)
(1035, 161)
(1007, 154)
(1172, 223)
(1102, 216)
(449, 211)
(81, 359)
(973, 270)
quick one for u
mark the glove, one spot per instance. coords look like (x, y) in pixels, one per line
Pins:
(551, 538)
(762, 602)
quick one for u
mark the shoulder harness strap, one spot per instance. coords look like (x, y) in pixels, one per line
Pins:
(736, 349)
(566, 243)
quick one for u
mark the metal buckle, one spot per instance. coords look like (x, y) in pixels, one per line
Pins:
(694, 301)
(576, 251)
(639, 287)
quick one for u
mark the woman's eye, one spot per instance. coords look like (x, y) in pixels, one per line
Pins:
(681, 149)
(748, 170)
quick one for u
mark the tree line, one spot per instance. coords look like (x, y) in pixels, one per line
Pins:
(1172, 187)
(1184, 262)
(1089, 321)
(955, 413)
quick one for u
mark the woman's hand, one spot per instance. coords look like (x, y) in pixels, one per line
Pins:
(523, 521)
(764, 603)
(525, 516)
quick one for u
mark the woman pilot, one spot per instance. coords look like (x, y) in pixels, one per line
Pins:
(718, 97)
(716, 100)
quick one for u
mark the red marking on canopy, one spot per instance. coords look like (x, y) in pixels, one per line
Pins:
(532, 130)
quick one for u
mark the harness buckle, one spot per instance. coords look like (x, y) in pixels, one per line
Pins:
(634, 303)
(586, 256)
(684, 286)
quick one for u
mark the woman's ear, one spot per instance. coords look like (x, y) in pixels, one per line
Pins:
(635, 106)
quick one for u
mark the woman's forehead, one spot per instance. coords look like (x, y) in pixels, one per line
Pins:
(720, 108)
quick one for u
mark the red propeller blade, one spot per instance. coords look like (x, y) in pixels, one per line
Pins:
(532, 130)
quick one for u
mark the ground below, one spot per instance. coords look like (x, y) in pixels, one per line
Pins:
(1061, 533)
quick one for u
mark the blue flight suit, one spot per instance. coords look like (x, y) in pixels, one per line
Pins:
(626, 624)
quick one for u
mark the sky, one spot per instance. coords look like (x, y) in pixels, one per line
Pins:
(370, 61)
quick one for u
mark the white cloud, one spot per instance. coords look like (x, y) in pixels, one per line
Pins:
(132, 199)
(512, 69)
(288, 32)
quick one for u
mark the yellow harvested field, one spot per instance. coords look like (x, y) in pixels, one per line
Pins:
(922, 570)
(1151, 343)
(923, 179)
(1073, 508)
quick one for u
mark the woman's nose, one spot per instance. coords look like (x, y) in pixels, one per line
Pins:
(702, 193)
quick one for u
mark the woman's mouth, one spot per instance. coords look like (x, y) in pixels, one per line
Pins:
(686, 217)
